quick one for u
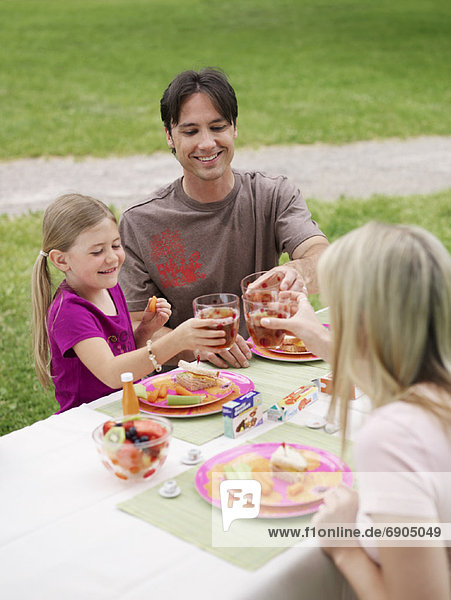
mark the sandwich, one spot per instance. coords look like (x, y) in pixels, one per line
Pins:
(196, 377)
(293, 345)
(288, 464)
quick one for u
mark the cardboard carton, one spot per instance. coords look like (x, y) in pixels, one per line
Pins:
(295, 401)
(242, 414)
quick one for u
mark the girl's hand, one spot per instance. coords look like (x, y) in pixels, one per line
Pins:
(154, 320)
(194, 334)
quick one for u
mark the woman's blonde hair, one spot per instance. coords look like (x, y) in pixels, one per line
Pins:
(64, 220)
(389, 292)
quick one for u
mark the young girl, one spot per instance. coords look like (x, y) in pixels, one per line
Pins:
(85, 326)
(389, 293)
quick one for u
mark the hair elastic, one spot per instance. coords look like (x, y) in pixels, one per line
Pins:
(42, 253)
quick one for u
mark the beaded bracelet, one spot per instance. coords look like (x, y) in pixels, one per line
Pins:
(152, 357)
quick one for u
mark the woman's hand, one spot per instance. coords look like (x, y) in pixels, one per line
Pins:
(340, 507)
(304, 324)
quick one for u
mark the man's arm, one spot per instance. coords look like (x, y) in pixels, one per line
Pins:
(299, 274)
(305, 259)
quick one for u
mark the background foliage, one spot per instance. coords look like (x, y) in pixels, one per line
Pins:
(86, 76)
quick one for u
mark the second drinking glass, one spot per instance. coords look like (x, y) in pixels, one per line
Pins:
(225, 309)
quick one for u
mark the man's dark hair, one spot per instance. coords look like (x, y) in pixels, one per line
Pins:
(209, 81)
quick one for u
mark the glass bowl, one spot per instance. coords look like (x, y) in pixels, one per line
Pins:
(135, 447)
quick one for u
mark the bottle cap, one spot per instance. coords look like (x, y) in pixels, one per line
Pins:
(126, 377)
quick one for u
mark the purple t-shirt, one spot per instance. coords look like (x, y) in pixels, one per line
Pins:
(71, 319)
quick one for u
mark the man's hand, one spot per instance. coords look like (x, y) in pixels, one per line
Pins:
(283, 277)
(238, 355)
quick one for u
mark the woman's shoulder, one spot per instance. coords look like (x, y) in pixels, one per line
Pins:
(412, 406)
(402, 433)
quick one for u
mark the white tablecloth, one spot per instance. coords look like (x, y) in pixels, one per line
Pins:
(62, 536)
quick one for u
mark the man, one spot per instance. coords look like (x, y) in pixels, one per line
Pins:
(207, 230)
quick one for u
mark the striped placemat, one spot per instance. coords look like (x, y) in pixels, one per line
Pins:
(272, 379)
(189, 516)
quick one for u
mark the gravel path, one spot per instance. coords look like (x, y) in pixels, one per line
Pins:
(394, 167)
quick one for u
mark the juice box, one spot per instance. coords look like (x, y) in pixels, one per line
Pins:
(325, 384)
(242, 414)
(295, 401)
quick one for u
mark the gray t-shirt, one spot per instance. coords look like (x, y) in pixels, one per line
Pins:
(179, 248)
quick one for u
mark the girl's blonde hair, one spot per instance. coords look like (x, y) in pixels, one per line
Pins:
(64, 220)
(389, 292)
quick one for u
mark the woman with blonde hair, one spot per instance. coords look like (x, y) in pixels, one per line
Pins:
(82, 334)
(388, 288)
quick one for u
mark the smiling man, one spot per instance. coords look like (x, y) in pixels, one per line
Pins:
(207, 230)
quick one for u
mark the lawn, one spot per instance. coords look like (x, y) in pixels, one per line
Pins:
(22, 401)
(84, 77)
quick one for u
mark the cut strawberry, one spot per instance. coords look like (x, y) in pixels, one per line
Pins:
(150, 428)
(107, 426)
(129, 457)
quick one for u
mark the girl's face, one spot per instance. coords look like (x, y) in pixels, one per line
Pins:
(94, 260)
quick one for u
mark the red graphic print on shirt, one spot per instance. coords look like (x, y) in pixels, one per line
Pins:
(168, 253)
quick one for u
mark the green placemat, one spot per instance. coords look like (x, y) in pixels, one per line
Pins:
(189, 516)
(276, 379)
(273, 379)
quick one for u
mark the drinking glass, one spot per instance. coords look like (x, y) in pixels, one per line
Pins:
(254, 312)
(225, 310)
(266, 291)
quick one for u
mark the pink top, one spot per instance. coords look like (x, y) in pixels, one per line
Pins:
(403, 457)
(71, 319)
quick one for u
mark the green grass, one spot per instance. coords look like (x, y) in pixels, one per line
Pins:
(84, 77)
(22, 401)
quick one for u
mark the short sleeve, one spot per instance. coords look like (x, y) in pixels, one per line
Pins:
(73, 323)
(294, 222)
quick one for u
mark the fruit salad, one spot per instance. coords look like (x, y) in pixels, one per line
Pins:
(135, 447)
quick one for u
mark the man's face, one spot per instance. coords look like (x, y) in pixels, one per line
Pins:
(203, 139)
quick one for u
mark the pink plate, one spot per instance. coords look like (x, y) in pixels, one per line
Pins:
(286, 357)
(170, 380)
(275, 354)
(240, 385)
(324, 470)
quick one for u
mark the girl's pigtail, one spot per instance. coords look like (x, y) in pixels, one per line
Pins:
(41, 297)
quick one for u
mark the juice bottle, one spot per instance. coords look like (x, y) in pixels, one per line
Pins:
(130, 404)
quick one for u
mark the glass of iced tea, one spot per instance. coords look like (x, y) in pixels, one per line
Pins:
(266, 290)
(254, 312)
(225, 309)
